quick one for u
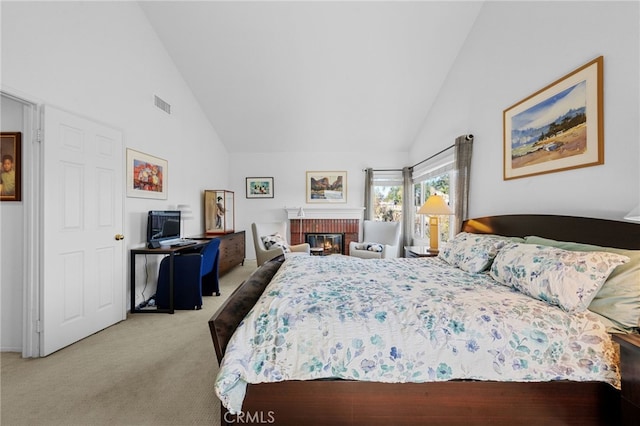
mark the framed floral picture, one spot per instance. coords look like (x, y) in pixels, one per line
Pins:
(11, 168)
(259, 187)
(147, 176)
(560, 127)
(326, 187)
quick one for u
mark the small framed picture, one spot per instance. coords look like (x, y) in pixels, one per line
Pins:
(11, 169)
(326, 187)
(259, 187)
(147, 176)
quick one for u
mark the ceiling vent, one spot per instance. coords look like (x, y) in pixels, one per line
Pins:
(163, 105)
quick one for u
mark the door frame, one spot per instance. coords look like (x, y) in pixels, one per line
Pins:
(32, 208)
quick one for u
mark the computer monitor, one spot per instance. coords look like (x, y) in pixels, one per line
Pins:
(162, 225)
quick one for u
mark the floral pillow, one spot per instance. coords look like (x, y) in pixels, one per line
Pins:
(568, 279)
(472, 252)
(619, 298)
(276, 240)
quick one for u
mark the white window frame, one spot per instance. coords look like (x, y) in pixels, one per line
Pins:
(387, 178)
(438, 166)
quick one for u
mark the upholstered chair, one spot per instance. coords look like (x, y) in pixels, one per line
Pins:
(275, 236)
(380, 240)
(192, 272)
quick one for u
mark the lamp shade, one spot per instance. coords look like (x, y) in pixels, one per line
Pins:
(185, 211)
(435, 204)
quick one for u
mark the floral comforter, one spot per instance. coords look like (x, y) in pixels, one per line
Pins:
(406, 320)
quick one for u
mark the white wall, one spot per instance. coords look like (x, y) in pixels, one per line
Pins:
(102, 60)
(289, 173)
(514, 50)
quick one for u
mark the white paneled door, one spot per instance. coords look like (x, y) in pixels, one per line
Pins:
(83, 277)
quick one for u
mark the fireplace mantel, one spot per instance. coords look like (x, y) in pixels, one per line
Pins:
(326, 212)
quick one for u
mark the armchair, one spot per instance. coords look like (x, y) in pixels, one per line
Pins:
(277, 230)
(191, 273)
(380, 240)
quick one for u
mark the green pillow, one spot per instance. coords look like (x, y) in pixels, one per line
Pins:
(619, 298)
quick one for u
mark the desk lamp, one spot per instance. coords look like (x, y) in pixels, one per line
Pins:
(434, 206)
(185, 214)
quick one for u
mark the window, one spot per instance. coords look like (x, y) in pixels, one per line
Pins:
(433, 178)
(387, 196)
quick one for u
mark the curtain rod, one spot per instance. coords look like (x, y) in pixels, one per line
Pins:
(433, 156)
(468, 137)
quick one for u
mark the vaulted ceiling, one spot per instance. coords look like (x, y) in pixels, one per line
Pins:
(314, 76)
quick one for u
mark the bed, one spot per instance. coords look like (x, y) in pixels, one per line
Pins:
(454, 399)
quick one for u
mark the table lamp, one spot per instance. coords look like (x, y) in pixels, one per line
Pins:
(300, 217)
(434, 206)
(185, 214)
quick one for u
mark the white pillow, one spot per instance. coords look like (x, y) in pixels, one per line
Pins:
(568, 279)
(276, 240)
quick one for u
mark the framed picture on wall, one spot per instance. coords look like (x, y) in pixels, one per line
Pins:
(560, 127)
(147, 176)
(259, 187)
(11, 169)
(326, 187)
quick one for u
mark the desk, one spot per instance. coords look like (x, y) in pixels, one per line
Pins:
(171, 251)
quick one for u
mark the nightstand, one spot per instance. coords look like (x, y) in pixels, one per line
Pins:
(630, 371)
(419, 251)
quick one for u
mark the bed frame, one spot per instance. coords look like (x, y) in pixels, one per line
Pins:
(334, 402)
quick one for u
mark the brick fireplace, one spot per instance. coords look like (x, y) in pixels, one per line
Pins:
(325, 221)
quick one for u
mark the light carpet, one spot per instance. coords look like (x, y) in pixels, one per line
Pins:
(152, 369)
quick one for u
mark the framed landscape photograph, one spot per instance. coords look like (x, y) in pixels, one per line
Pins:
(326, 187)
(11, 168)
(259, 187)
(558, 128)
(147, 176)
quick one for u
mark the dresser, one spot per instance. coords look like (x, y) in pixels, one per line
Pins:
(232, 249)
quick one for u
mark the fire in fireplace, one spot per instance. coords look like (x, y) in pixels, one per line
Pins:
(324, 244)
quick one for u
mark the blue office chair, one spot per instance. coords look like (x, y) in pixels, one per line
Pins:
(210, 262)
(192, 272)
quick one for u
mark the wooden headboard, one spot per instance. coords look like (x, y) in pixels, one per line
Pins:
(601, 232)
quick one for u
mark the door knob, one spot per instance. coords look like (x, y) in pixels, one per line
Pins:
(119, 237)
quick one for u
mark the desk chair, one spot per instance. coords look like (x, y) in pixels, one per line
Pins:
(195, 274)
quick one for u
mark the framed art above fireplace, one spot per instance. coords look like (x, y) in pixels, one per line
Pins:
(326, 187)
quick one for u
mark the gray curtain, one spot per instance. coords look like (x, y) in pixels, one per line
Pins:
(368, 199)
(407, 206)
(462, 167)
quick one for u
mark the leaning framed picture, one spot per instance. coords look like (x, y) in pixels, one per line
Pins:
(11, 169)
(326, 187)
(259, 187)
(147, 176)
(560, 127)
